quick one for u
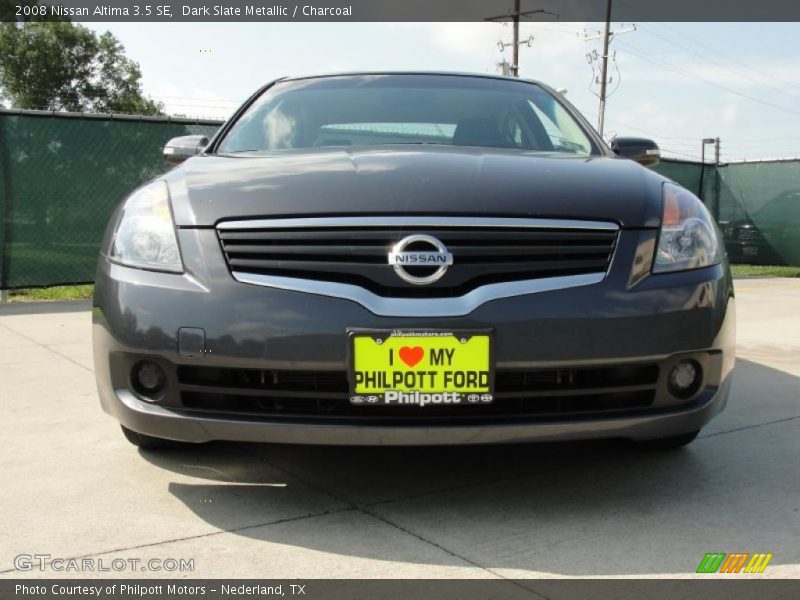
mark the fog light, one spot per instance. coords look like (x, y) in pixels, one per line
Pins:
(684, 378)
(149, 379)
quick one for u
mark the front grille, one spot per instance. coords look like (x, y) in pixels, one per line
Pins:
(359, 254)
(254, 393)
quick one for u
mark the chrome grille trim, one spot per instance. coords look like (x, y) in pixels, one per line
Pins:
(421, 307)
(418, 222)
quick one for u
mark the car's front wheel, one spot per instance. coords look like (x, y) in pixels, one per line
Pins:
(148, 442)
(670, 443)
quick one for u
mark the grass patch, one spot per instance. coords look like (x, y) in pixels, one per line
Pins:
(62, 292)
(764, 271)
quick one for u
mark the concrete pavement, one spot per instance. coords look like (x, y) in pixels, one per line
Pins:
(73, 487)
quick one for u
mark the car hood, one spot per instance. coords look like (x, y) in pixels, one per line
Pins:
(417, 180)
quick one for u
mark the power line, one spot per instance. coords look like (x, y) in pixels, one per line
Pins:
(691, 141)
(715, 63)
(644, 131)
(741, 63)
(684, 148)
(672, 67)
(576, 32)
(725, 55)
(684, 154)
(763, 142)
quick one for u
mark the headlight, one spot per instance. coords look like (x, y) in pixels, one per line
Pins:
(145, 235)
(688, 238)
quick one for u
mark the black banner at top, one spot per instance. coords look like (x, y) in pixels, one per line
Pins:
(399, 10)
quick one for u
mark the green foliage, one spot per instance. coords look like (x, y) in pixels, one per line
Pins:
(66, 66)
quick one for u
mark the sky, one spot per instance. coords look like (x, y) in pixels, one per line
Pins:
(673, 82)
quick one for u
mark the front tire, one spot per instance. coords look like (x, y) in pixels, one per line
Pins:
(147, 442)
(670, 443)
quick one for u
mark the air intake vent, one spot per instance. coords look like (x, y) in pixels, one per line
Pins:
(253, 393)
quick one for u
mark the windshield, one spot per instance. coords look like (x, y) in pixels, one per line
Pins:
(369, 110)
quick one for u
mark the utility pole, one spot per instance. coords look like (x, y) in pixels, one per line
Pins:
(716, 180)
(604, 71)
(513, 67)
(607, 36)
(515, 18)
(703, 143)
(515, 50)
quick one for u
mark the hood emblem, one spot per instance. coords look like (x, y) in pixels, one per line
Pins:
(420, 259)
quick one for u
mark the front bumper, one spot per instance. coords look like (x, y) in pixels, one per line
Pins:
(159, 422)
(138, 314)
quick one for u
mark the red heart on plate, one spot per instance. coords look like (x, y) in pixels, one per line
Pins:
(411, 355)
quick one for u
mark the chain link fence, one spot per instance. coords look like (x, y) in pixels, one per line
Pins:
(62, 175)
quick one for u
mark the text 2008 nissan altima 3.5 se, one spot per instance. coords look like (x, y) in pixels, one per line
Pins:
(409, 258)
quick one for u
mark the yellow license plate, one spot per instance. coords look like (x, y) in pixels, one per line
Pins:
(420, 368)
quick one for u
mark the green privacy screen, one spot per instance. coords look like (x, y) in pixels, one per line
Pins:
(766, 196)
(688, 174)
(757, 205)
(61, 176)
(60, 179)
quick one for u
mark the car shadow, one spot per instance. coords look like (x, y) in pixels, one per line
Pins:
(601, 508)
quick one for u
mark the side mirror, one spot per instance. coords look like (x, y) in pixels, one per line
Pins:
(641, 150)
(180, 148)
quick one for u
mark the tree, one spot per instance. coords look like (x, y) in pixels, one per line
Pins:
(66, 66)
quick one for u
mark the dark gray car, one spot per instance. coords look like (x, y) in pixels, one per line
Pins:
(411, 259)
